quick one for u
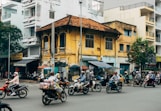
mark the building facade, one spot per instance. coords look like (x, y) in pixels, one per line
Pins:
(67, 41)
(122, 45)
(142, 15)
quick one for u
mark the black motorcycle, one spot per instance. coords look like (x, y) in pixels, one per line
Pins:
(114, 87)
(150, 82)
(138, 82)
(51, 94)
(5, 107)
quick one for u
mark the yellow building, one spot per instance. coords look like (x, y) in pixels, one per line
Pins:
(96, 39)
(122, 45)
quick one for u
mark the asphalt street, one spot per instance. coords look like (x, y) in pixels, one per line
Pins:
(131, 99)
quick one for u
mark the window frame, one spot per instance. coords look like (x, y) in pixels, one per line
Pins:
(108, 44)
(89, 41)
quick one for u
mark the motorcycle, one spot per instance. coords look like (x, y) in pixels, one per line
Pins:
(20, 91)
(114, 87)
(95, 86)
(149, 82)
(5, 107)
(137, 82)
(50, 94)
(74, 88)
(157, 80)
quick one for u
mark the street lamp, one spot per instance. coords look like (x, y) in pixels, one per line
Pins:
(80, 2)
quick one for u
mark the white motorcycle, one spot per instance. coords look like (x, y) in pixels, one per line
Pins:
(78, 87)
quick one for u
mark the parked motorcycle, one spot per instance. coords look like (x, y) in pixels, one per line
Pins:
(20, 91)
(51, 94)
(95, 86)
(137, 82)
(114, 87)
(74, 88)
(5, 107)
(150, 82)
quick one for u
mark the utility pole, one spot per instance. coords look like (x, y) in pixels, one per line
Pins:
(53, 45)
(80, 2)
(9, 55)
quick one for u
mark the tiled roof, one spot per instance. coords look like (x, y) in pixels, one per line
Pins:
(75, 21)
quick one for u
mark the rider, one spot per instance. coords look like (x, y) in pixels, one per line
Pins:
(15, 82)
(150, 77)
(54, 79)
(138, 76)
(114, 79)
(81, 80)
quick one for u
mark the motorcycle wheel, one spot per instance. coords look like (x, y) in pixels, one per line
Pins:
(119, 89)
(22, 93)
(2, 94)
(6, 108)
(70, 91)
(85, 90)
(98, 87)
(145, 85)
(45, 100)
(63, 96)
(107, 89)
(134, 83)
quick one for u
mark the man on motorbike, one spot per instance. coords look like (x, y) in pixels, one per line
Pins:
(81, 80)
(150, 77)
(55, 80)
(114, 79)
(138, 76)
(15, 82)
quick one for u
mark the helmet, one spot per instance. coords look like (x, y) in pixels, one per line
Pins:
(15, 73)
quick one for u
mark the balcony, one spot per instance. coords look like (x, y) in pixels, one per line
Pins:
(150, 36)
(29, 3)
(158, 10)
(30, 41)
(6, 16)
(150, 20)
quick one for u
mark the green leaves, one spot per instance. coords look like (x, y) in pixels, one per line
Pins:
(141, 52)
(15, 35)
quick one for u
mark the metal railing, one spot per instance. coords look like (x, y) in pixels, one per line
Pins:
(137, 5)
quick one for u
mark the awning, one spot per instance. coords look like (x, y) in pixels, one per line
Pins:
(100, 64)
(23, 63)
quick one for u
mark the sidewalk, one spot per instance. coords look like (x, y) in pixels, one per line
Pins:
(21, 81)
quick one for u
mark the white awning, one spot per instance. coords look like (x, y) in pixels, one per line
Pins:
(23, 63)
(100, 64)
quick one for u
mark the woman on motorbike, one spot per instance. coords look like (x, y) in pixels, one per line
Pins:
(15, 82)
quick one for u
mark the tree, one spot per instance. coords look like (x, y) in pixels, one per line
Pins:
(141, 53)
(15, 37)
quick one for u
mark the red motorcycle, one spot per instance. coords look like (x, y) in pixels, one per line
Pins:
(20, 91)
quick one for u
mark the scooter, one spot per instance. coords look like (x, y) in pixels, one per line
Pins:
(149, 82)
(5, 107)
(114, 87)
(74, 88)
(20, 91)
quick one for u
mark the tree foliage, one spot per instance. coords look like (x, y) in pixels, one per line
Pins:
(141, 52)
(15, 37)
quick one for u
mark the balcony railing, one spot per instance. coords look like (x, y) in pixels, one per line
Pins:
(7, 16)
(136, 5)
(150, 34)
(150, 19)
(158, 39)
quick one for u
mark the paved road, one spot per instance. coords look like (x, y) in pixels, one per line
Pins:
(131, 99)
